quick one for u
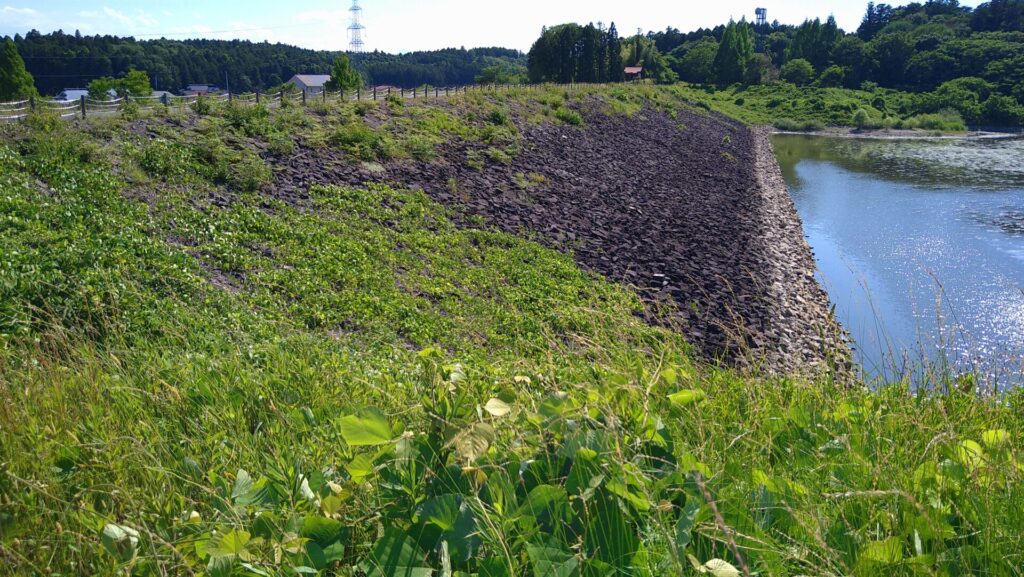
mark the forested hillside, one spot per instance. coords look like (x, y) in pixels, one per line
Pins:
(60, 60)
(956, 58)
(916, 47)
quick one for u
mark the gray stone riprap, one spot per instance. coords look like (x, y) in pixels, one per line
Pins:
(690, 210)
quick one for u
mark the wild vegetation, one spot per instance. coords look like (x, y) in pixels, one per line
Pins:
(199, 376)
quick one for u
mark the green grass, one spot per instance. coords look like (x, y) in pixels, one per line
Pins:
(354, 384)
(802, 109)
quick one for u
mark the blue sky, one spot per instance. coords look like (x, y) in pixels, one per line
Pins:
(392, 25)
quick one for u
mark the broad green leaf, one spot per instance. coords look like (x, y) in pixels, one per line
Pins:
(971, 454)
(243, 485)
(637, 500)
(220, 566)
(441, 511)
(235, 542)
(334, 552)
(472, 443)
(321, 530)
(669, 376)
(542, 500)
(120, 541)
(684, 528)
(995, 438)
(687, 397)
(367, 427)
(609, 537)
(720, 568)
(395, 555)
(493, 567)
(456, 374)
(360, 467)
(497, 407)
(547, 561)
(689, 463)
(886, 552)
(315, 555)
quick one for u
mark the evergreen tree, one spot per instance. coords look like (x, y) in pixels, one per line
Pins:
(343, 75)
(15, 82)
(616, 71)
(734, 53)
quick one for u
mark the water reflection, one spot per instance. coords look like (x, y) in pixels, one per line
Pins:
(920, 245)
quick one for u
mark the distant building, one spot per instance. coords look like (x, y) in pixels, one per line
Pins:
(634, 72)
(71, 95)
(196, 89)
(311, 83)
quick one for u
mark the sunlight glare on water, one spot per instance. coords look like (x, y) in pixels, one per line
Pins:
(920, 244)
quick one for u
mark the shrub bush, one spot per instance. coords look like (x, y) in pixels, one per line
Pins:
(569, 116)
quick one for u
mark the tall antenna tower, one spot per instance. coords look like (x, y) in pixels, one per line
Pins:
(761, 28)
(355, 27)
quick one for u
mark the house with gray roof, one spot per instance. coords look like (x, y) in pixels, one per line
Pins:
(311, 83)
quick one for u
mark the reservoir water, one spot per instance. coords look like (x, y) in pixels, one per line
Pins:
(920, 245)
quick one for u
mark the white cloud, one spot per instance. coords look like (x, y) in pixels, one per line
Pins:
(17, 18)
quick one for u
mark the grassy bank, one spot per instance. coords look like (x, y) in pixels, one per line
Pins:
(199, 377)
(804, 109)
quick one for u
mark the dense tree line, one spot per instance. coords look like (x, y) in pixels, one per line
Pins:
(574, 53)
(60, 60)
(937, 46)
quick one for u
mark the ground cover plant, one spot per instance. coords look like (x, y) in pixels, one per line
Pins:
(802, 109)
(199, 378)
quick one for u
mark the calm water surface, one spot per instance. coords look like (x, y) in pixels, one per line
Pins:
(920, 245)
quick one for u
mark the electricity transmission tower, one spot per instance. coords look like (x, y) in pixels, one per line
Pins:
(356, 28)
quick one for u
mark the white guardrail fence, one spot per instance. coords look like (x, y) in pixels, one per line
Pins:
(85, 106)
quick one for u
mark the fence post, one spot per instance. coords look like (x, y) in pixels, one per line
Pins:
(165, 100)
(343, 94)
(403, 92)
(303, 96)
(230, 97)
(437, 92)
(32, 102)
(375, 93)
(82, 102)
(257, 96)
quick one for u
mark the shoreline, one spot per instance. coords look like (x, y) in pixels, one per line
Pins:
(900, 134)
(803, 310)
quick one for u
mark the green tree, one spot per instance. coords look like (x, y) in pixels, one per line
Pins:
(502, 74)
(799, 72)
(696, 63)
(831, 77)
(734, 53)
(641, 51)
(133, 83)
(852, 54)
(15, 82)
(892, 51)
(343, 75)
(136, 83)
